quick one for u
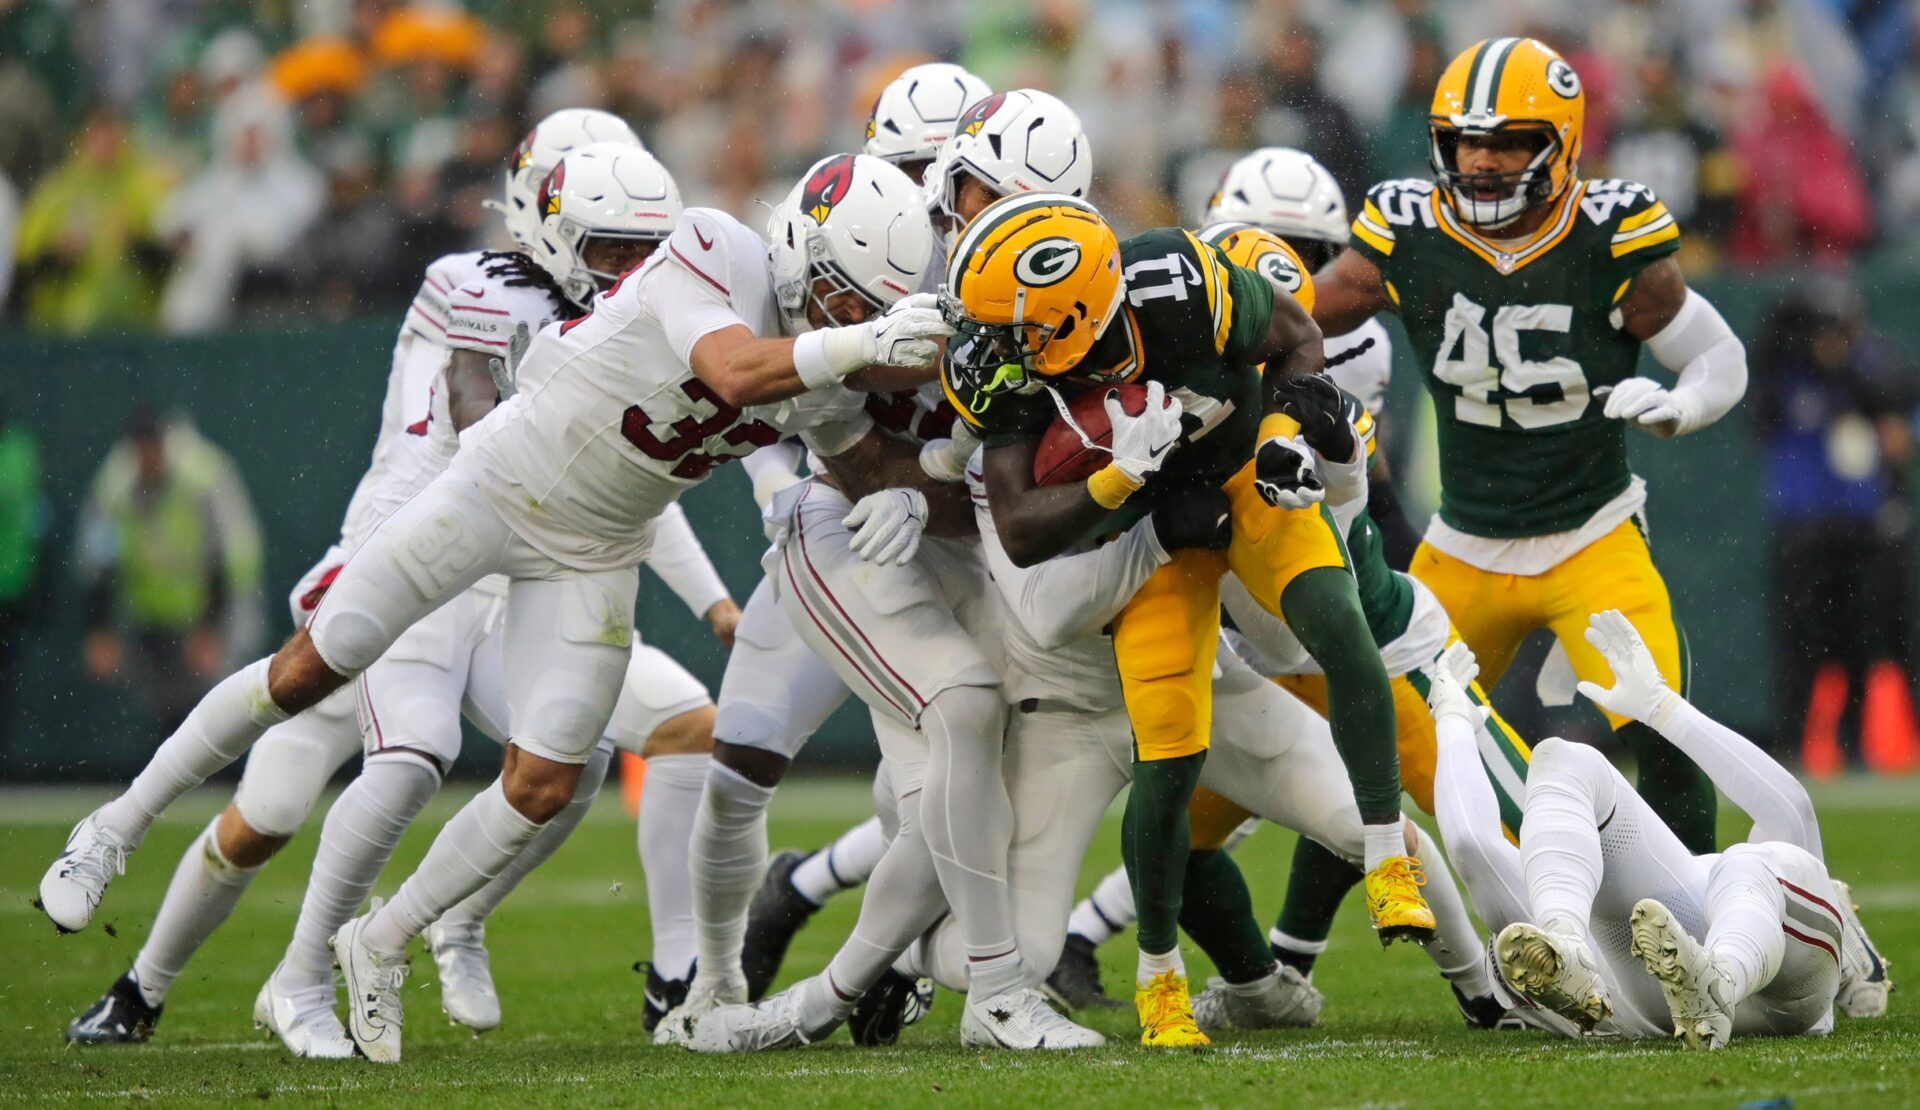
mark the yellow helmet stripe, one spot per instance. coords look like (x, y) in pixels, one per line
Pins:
(1483, 79)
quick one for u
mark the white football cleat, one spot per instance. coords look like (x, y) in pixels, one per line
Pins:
(1280, 1000)
(703, 997)
(1553, 971)
(1699, 991)
(303, 1020)
(1021, 1020)
(372, 980)
(768, 1025)
(70, 890)
(466, 975)
(1865, 976)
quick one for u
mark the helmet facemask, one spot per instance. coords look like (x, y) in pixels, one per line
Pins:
(1513, 192)
(585, 280)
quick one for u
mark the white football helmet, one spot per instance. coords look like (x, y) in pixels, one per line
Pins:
(1022, 141)
(855, 222)
(600, 191)
(917, 111)
(541, 150)
(1284, 191)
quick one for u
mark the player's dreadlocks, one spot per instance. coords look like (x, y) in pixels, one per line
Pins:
(516, 268)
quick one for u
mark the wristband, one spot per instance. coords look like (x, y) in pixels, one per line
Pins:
(824, 356)
(1110, 486)
(1278, 425)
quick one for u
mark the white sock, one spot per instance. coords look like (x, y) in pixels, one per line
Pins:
(204, 890)
(476, 846)
(219, 730)
(1104, 913)
(726, 861)
(1384, 842)
(903, 901)
(1291, 943)
(968, 822)
(358, 837)
(842, 865)
(479, 905)
(1456, 948)
(669, 804)
(1745, 910)
(1154, 964)
(1560, 840)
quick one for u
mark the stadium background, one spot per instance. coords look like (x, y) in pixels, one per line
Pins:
(345, 144)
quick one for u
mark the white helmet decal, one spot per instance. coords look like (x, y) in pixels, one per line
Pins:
(1284, 191)
(599, 191)
(1014, 142)
(919, 109)
(858, 224)
(541, 150)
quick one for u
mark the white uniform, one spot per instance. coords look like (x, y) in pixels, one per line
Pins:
(1361, 362)
(559, 487)
(1070, 746)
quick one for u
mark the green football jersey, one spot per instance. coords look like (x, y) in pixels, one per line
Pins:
(1515, 344)
(1196, 324)
(1386, 597)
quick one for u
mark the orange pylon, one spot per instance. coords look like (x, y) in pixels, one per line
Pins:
(1820, 754)
(633, 776)
(1889, 732)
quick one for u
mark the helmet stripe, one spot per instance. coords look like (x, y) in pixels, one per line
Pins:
(1004, 211)
(1484, 81)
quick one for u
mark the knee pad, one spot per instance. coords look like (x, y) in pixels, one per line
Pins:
(1170, 715)
(347, 641)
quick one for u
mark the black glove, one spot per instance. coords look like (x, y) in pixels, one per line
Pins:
(1321, 410)
(1193, 515)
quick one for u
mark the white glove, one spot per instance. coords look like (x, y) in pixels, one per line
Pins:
(905, 335)
(1141, 444)
(1638, 691)
(887, 525)
(1649, 404)
(1447, 680)
(1286, 474)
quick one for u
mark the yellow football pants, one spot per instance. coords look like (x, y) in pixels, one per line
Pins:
(1495, 612)
(1165, 639)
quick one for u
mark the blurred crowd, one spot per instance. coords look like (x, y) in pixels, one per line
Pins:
(189, 164)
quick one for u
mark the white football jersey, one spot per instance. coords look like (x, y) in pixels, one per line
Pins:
(459, 307)
(1361, 362)
(610, 425)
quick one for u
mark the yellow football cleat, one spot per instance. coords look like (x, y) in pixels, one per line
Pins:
(1394, 903)
(1166, 1013)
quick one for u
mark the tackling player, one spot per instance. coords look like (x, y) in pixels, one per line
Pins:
(1529, 293)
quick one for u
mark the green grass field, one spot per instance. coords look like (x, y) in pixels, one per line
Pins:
(564, 946)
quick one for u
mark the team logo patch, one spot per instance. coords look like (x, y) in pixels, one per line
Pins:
(1562, 79)
(1280, 270)
(550, 190)
(1046, 262)
(523, 154)
(976, 117)
(828, 186)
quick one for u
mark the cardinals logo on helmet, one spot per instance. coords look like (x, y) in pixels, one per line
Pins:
(976, 117)
(550, 190)
(827, 187)
(523, 153)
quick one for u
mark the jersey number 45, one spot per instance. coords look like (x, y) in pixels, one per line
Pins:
(1464, 361)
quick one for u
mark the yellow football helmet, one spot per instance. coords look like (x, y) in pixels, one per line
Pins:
(1259, 250)
(1032, 282)
(1507, 86)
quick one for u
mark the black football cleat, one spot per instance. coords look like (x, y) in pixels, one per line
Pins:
(777, 914)
(1075, 982)
(1485, 1012)
(891, 1005)
(121, 1016)
(662, 994)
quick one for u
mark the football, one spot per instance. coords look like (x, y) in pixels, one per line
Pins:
(1064, 456)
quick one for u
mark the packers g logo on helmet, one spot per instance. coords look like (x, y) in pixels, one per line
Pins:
(827, 187)
(1260, 250)
(1047, 261)
(1507, 86)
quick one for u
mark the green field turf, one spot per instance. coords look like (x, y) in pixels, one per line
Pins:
(564, 946)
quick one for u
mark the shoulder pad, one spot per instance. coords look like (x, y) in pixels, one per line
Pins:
(1629, 212)
(711, 244)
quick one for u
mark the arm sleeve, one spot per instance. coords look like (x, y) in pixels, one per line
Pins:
(1752, 780)
(1698, 345)
(682, 563)
(1062, 599)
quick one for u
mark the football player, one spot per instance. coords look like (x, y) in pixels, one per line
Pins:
(1529, 292)
(1606, 921)
(919, 110)
(1044, 298)
(681, 367)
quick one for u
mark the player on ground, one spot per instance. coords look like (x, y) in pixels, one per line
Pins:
(1044, 296)
(1529, 292)
(1606, 921)
(679, 369)
(290, 766)
(1004, 144)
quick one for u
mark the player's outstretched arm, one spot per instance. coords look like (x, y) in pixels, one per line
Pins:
(745, 369)
(1688, 336)
(1347, 292)
(1752, 780)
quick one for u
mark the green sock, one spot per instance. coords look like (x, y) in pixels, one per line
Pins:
(1217, 912)
(1323, 608)
(1674, 786)
(1316, 886)
(1154, 843)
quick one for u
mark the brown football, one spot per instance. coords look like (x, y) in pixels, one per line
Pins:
(1063, 456)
